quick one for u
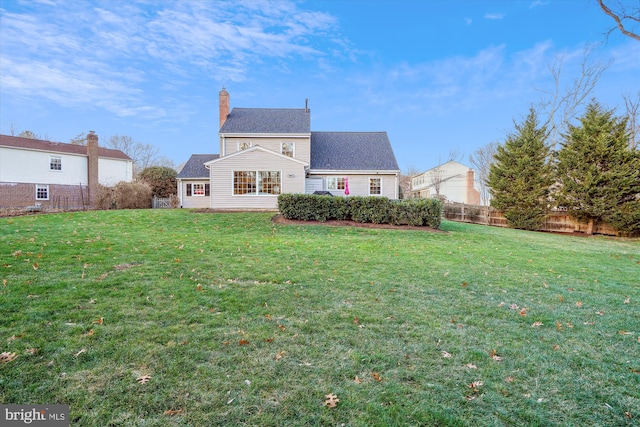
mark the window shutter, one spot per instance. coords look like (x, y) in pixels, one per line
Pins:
(188, 189)
(206, 190)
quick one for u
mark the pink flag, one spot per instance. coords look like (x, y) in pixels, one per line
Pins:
(346, 186)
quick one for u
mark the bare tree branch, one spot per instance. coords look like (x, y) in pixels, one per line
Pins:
(632, 106)
(619, 17)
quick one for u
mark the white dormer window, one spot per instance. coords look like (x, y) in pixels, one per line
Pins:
(55, 163)
(244, 145)
(287, 148)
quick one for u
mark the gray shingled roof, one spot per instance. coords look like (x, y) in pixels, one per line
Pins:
(267, 120)
(352, 151)
(194, 168)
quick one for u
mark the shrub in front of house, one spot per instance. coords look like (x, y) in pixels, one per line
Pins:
(125, 195)
(377, 210)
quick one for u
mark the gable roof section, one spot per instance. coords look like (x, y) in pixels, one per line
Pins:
(267, 120)
(256, 148)
(352, 151)
(57, 147)
(194, 168)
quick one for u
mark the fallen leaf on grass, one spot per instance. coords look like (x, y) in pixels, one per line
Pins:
(143, 379)
(626, 301)
(331, 401)
(536, 324)
(523, 312)
(31, 350)
(99, 321)
(280, 355)
(600, 313)
(376, 376)
(243, 342)
(627, 415)
(172, 412)
(470, 397)
(357, 380)
(199, 287)
(446, 354)
(282, 327)
(556, 347)
(494, 356)
(579, 304)
(6, 357)
(90, 333)
(268, 339)
(84, 350)
(474, 386)
(625, 333)
(509, 379)
(14, 337)
(470, 366)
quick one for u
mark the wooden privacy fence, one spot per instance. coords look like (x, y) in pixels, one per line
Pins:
(556, 221)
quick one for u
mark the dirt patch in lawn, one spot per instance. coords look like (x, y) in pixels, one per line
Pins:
(279, 219)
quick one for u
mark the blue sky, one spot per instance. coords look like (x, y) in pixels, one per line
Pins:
(438, 76)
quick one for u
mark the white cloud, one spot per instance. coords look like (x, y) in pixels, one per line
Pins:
(494, 16)
(81, 54)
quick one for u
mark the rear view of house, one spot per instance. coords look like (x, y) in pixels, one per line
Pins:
(265, 152)
(36, 173)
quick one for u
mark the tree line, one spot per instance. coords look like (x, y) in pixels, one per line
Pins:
(594, 174)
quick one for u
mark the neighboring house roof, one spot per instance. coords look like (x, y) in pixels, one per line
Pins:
(267, 120)
(194, 168)
(352, 151)
(57, 147)
(451, 164)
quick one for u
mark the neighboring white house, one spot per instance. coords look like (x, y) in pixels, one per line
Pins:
(265, 152)
(450, 181)
(53, 174)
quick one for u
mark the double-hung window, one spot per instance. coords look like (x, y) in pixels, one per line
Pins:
(335, 183)
(198, 189)
(256, 183)
(55, 163)
(375, 186)
(287, 148)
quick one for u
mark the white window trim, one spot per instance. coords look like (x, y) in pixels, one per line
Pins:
(332, 178)
(51, 158)
(244, 142)
(375, 177)
(193, 189)
(293, 148)
(233, 173)
(42, 186)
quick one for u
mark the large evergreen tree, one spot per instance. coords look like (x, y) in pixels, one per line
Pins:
(598, 172)
(521, 175)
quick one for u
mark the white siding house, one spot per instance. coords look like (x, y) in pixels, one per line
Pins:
(43, 173)
(265, 152)
(451, 181)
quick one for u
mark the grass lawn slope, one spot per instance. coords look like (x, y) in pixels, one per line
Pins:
(176, 318)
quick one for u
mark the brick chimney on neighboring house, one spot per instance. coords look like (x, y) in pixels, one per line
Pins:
(92, 170)
(473, 195)
(224, 105)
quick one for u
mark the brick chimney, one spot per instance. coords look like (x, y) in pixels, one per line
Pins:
(92, 170)
(224, 106)
(473, 195)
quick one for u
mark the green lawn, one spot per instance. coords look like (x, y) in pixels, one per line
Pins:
(233, 320)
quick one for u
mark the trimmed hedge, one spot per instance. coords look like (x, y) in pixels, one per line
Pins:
(377, 210)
